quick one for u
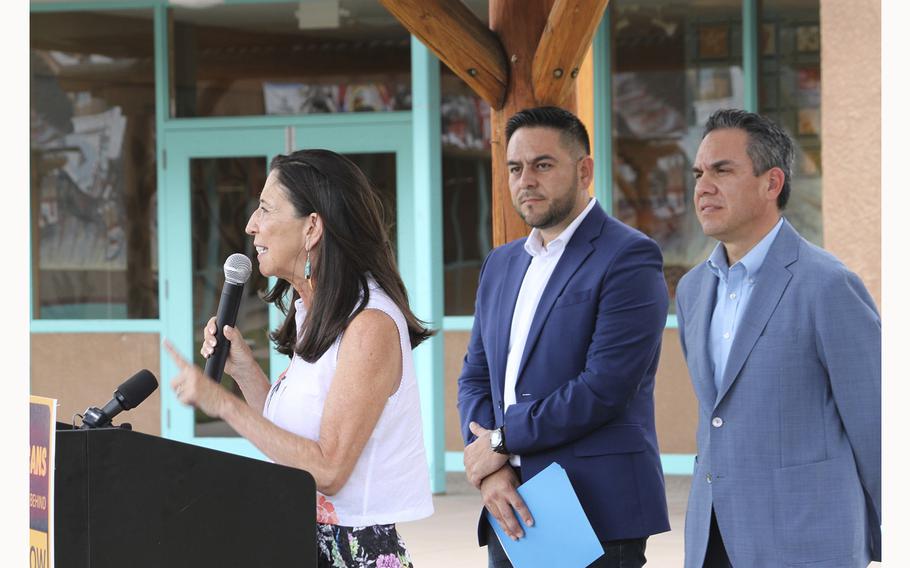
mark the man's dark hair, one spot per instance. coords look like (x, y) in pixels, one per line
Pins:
(571, 129)
(769, 146)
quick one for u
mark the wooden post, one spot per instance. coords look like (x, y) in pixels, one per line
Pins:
(584, 99)
(519, 25)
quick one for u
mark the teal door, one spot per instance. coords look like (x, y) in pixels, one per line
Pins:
(213, 176)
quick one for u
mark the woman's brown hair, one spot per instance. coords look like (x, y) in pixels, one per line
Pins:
(354, 245)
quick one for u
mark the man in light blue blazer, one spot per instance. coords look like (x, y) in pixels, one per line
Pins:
(783, 345)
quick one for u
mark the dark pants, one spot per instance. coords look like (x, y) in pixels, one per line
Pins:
(716, 555)
(617, 553)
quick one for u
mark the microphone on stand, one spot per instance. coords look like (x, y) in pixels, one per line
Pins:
(237, 270)
(128, 395)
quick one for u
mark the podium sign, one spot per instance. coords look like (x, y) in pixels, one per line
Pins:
(42, 416)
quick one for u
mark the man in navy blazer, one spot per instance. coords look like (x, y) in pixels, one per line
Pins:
(783, 345)
(566, 339)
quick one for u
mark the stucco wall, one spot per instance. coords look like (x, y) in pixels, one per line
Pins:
(83, 369)
(851, 135)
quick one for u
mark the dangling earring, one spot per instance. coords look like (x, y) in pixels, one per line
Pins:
(308, 270)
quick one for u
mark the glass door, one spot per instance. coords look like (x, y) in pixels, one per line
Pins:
(213, 179)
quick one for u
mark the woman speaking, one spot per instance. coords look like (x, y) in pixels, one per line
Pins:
(346, 409)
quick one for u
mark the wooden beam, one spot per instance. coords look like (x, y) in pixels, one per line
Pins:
(568, 33)
(551, 31)
(461, 41)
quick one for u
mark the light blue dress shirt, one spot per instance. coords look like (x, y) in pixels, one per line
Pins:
(734, 288)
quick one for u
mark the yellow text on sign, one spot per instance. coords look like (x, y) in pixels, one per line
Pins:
(37, 550)
(38, 461)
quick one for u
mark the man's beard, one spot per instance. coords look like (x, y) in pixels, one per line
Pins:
(556, 214)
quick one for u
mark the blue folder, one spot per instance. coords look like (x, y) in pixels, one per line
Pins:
(561, 535)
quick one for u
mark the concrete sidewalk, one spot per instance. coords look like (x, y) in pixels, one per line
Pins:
(448, 539)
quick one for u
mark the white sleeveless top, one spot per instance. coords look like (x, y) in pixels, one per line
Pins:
(390, 482)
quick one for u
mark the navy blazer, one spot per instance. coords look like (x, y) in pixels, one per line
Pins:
(585, 385)
(789, 449)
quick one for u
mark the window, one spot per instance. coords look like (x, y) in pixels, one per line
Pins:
(466, 182)
(673, 65)
(289, 58)
(790, 93)
(93, 165)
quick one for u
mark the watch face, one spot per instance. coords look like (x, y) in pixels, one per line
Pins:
(496, 438)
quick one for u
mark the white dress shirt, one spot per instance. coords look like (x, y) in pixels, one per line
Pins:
(544, 259)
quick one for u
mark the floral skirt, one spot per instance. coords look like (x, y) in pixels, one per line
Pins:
(375, 546)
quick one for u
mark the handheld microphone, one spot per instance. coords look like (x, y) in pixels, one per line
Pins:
(237, 270)
(128, 395)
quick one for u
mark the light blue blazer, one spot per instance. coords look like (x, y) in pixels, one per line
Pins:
(789, 450)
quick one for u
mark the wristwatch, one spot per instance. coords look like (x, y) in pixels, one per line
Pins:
(498, 441)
